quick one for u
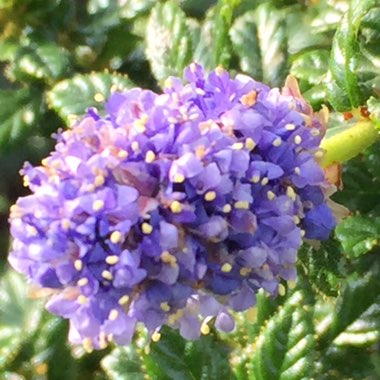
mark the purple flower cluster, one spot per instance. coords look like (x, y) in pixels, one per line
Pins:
(173, 209)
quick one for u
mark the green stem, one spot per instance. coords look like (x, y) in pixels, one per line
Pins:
(347, 144)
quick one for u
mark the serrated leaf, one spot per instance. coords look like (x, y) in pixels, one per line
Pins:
(359, 234)
(18, 113)
(19, 316)
(40, 61)
(363, 332)
(214, 47)
(358, 296)
(71, 97)
(324, 266)
(259, 39)
(168, 41)
(346, 88)
(311, 66)
(123, 363)
(284, 348)
(50, 343)
(175, 358)
(246, 45)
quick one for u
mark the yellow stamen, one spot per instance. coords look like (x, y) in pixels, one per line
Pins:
(78, 265)
(291, 193)
(123, 300)
(122, 154)
(298, 139)
(139, 125)
(98, 205)
(116, 237)
(146, 228)
(135, 146)
(82, 281)
(290, 127)
(179, 178)
(164, 306)
(250, 144)
(237, 146)
(227, 208)
(226, 268)
(173, 318)
(255, 179)
(277, 142)
(112, 260)
(242, 205)
(176, 207)
(271, 195)
(98, 97)
(264, 181)
(150, 157)
(244, 271)
(281, 290)
(156, 336)
(99, 180)
(107, 275)
(87, 345)
(82, 299)
(219, 71)
(168, 83)
(205, 329)
(210, 196)
(168, 258)
(113, 315)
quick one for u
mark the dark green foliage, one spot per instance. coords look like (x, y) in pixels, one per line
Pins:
(59, 57)
(353, 62)
(71, 97)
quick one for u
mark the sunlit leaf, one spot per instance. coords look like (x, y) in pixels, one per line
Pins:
(71, 97)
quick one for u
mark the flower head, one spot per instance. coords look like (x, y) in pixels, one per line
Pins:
(173, 208)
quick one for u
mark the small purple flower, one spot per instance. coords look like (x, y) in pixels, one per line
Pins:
(173, 209)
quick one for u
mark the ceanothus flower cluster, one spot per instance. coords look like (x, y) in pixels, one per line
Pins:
(173, 209)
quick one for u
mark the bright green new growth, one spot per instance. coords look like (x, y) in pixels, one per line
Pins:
(349, 143)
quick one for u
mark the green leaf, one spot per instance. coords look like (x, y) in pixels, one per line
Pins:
(214, 47)
(284, 348)
(359, 234)
(373, 105)
(168, 41)
(132, 8)
(44, 61)
(246, 45)
(49, 343)
(19, 316)
(176, 358)
(324, 266)
(354, 304)
(346, 87)
(259, 39)
(123, 363)
(18, 114)
(363, 332)
(311, 66)
(71, 97)
(361, 178)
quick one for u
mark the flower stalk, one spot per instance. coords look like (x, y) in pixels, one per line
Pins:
(343, 146)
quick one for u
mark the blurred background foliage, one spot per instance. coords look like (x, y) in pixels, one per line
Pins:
(59, 57)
